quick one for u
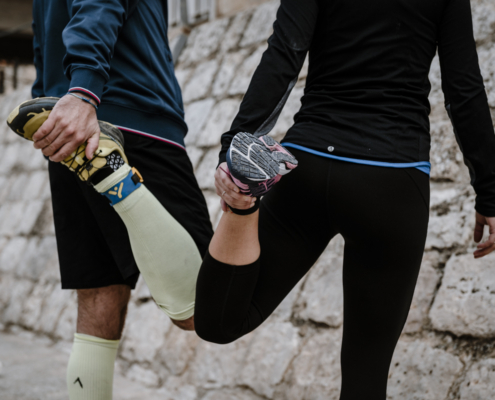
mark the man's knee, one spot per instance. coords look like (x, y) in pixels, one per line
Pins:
(101, 311)
(186, 325)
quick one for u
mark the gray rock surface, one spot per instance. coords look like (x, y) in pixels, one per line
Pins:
(479, 383)
(465, 303)
(420, 372)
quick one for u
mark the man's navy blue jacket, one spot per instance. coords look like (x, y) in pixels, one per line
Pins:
(117, 52)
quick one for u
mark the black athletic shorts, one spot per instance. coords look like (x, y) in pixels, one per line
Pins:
(92, 241)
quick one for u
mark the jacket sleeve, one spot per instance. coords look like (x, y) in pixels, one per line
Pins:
(38, 88)
(90, 38)
(466, 101)
(277, 72)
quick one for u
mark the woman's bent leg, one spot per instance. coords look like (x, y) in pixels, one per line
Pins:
(235, 296)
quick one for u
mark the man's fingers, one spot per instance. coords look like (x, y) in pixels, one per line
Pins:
(45, 129)
(63, 151)
(92, 145)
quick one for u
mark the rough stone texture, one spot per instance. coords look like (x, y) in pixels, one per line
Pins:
(295, 353)
(465, 304)
(420, 372)
(479, 383)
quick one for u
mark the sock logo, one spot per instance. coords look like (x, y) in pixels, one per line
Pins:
(78, 380)
(115, 189)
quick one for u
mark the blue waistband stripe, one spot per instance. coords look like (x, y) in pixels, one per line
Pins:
(423, 166)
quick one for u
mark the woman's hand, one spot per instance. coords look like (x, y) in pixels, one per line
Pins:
(488, 246)
(229, 192)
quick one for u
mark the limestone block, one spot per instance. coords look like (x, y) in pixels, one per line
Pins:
(441, 196)
(51, 313)
(445, 156)
(143, 375)
(484, 22)
(214, 366)
(315, 372)
(12, 215)
(34, 303)
(322, 299)
(428, 281)
(286, 119)
(204, 42)
(218, 123)
(20, 292)
(227, 71)
(227, 394)
(44, 225)
(243, 76)
(201, 81)
(261, 25)
(183, 75)
(465, 303)
(142, 291)
(213, 203)
(66, 326)
(195, 154)
(36, 161)
(197, 114)
(51, 271)
(37, 255)
(479, 383)
(176, 389)
(206, 171)
(10, 156)
(178, 350)
(11, 254)
(5, 183)
(237, 27)
(420, 372)
(7, 285)
(487, 65)
(436, 97)
(32, 211)
(263, 371)
(450, 231)
(35, 185)
(19, 186)
(144, 321)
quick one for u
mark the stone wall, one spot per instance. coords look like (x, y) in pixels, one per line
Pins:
(447, 350)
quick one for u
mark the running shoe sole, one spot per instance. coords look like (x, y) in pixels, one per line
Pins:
(249, 159)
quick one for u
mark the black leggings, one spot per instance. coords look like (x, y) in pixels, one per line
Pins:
(382, 213)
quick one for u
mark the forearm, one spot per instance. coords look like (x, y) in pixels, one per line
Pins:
(90, 39)
(277, 72)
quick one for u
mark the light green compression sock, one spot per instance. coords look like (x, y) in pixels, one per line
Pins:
(165, 253)
(90, 370)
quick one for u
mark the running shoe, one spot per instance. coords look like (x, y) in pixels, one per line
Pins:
(256, 164)
(26, 119)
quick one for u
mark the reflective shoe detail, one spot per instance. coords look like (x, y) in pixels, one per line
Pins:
(286, 160)
(124, 188)
(254, 166)
(26, 119)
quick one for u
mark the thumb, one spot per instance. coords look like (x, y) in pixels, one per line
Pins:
(92, 145)
(478, 230)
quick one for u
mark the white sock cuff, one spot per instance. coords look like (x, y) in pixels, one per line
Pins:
(93, 340)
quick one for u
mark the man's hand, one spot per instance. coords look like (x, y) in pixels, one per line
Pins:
(229, 192)
(71, 123)
(488, 246)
